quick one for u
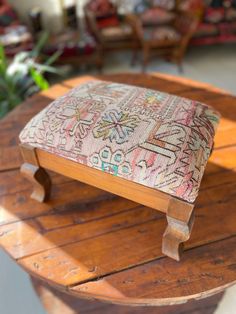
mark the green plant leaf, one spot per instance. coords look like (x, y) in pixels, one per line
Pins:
(3, 84)
(53, 57)
(23, 76)
(21, 56)
(4, 108)
(39, 80)
(31, 90)
(46, 68)
(3, 61)
(24, 85)
(40, 44)
(14, 100)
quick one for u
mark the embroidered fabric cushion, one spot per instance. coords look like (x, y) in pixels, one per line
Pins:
(214, 15)
(165, 4)
(230, 14)
(157, 16)
(161, 33)
(206, 29)
(71, 45)
(108, 21)
(123, 31)
(153, 138)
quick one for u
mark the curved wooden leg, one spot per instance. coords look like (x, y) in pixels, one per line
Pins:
(35, 174)
(40, 180)
(180, 217)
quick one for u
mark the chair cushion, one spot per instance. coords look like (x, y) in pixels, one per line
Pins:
(156, 16)
(206, 29)
(164, 4)
(108, 21)
(149, 137)
(15, 35)
(161, 33)
(70, 44)
(230, 14)
(214, 15)
(114, 33)
(7, 15)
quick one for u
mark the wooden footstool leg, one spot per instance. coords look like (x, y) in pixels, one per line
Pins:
(35, 174)
(180, 217)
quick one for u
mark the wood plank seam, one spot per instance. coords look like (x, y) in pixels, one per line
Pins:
(87, 239)
(144, 263)
(140, 264)
(55, 211)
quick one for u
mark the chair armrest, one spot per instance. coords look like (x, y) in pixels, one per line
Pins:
(136, 24)
(186, 24)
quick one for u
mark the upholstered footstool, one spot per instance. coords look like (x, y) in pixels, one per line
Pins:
(147, 146)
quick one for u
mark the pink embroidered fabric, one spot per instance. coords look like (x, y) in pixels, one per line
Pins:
(152, 138)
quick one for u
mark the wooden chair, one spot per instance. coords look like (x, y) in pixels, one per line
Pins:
(15, 36)
(169, 40)
(118, 35)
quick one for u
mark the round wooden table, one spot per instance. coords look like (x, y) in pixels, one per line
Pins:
(87, 243)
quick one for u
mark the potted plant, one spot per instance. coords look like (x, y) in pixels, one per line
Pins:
(24, 75)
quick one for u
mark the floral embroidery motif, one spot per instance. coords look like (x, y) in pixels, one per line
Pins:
(76, 121)
(116, 126)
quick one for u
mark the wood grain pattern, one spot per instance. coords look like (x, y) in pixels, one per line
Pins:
(128, 189)
(56, 302)
(185, 279)
(93, 244)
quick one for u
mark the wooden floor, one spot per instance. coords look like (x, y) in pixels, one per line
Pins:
(92, 244)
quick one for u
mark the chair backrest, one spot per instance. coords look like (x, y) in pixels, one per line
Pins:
(196, 7)
(101, 8)
(95, 11)
(186, 24)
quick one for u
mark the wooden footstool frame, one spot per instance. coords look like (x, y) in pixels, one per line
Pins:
(179, 213)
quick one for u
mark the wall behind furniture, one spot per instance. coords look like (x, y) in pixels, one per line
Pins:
(51, 12)
(52, 16)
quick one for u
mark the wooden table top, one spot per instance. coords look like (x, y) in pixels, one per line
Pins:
(92, 244)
